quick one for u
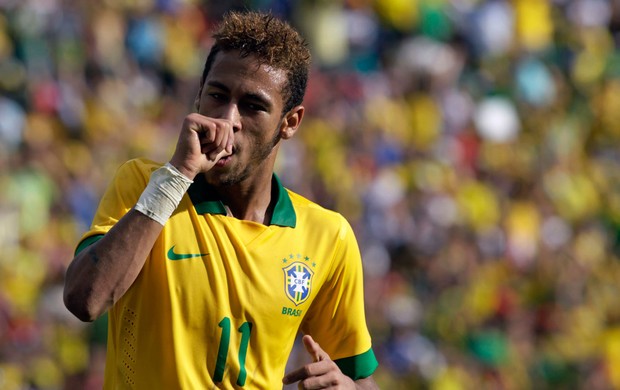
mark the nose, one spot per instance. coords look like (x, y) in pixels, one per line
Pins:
(231, 113)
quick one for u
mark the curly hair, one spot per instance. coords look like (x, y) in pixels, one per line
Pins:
(272, 41)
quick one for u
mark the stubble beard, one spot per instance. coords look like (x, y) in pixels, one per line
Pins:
(258, 156)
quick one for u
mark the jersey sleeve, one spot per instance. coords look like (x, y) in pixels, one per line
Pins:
(336, 319)
(121, 195)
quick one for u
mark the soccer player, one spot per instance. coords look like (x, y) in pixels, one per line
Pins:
(207, 265)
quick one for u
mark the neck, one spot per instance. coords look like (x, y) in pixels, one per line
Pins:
(253, 202)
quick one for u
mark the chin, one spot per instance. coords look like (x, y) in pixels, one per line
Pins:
(224, 179)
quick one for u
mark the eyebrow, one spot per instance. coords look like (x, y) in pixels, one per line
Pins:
(258, 97)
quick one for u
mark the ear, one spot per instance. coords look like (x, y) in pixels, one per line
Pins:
(291, 122)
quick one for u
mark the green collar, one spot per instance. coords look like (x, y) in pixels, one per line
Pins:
(206, 201)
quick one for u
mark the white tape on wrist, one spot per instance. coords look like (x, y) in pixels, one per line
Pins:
(163, 193)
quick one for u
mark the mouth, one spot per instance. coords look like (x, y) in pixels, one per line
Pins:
(224, 160)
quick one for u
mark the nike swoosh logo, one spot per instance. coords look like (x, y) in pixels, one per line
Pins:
(182, 256)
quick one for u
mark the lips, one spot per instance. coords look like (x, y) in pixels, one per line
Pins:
(224, 160)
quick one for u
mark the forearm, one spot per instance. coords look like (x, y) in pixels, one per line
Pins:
(99, 275)
(366, 384)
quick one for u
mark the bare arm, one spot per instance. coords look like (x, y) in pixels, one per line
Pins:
(366, 384)
(100, 274)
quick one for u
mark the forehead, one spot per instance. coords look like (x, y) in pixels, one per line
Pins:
(245, 73)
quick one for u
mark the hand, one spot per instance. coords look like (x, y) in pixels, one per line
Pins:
(322, 373)
(203, 141)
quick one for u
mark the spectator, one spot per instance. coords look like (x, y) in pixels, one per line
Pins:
(477, 142)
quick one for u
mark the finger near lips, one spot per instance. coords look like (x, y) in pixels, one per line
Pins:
(215, 140)
(212, 149)
(212, 155)
(215, 153)
(206, 136)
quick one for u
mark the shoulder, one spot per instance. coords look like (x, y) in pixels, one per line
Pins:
(137, 168)
(131, 178)
(140, 165)
(312, 214)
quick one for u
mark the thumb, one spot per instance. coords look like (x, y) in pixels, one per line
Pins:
(314, 349)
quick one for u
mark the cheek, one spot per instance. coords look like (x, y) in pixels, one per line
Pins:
(260, 131)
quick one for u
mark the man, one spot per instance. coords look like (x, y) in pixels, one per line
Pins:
(208, 266)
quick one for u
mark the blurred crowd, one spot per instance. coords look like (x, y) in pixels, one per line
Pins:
(472, 144)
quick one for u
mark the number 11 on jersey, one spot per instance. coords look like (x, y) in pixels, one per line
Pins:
(245, 329)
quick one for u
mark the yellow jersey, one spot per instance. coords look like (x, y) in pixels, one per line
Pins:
(220, 301)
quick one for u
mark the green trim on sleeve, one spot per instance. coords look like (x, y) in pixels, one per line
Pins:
(87, 242)
(359, 366)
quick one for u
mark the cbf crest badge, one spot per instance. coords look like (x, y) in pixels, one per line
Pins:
(298, 281)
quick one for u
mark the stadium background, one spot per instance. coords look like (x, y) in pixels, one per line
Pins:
(472, 144)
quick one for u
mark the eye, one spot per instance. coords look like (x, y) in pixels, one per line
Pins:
(255, 106)
(216, 96)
